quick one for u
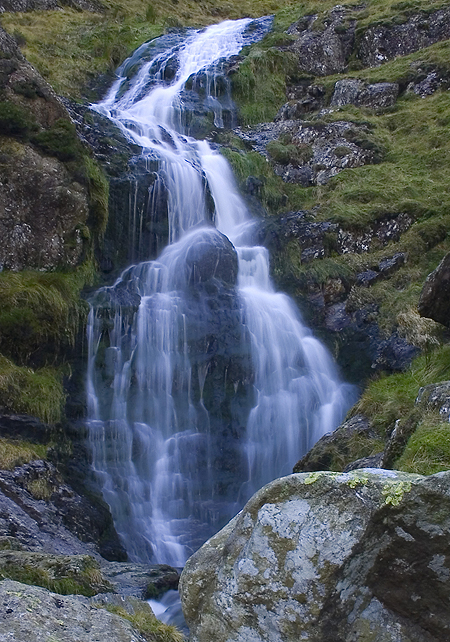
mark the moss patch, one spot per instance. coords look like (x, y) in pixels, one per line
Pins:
(15, 453)
(428, 449)
(38, 393)
(392, 397)
(148, 626)
(64, 574)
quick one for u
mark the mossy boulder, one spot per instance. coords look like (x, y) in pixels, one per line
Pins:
(34, 614)
(357, 556)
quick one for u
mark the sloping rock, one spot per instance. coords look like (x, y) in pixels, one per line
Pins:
(351, 91)
(34, 614)
(347, 442)
(44, 514)
(325, 50)
(434, 301)
(384, 42)
(335, 557)
(141, 581)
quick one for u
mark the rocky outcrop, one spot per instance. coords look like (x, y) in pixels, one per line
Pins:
(42, 513)
(50, 5)
(311, 153)
(383, 42)
(32, 187)
(323, 49)
(370, 562)
(44, 204)
(435, 296)
(351, 91)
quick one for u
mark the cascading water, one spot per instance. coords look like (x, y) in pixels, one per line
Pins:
(203, 383)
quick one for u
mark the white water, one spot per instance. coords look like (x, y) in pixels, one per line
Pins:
(152, 438)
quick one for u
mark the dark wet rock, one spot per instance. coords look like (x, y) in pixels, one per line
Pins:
(25, 427)
(211, 256)
(384, 230)
(434, 301)
(391, 264)
(34, 614)
(310, 234)
(374, 461)
(384, 42)
(325, 50)
(141, 581)
(371, 563)
(334, 450)
(45, 514)
(351, 91)
(394, 353)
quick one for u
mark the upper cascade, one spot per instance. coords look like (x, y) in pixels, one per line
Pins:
(203, 382)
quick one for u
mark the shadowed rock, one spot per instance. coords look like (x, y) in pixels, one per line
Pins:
(434, 301)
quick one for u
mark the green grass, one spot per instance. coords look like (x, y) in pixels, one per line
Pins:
(428, 449)
(39, 309)
(392, 397)
(38, 392)
(16, 452)
(67, 575)
(148, 626)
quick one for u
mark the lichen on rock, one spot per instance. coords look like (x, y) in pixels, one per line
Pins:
(327, 556)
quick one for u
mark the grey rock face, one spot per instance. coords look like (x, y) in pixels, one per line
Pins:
(49, 5)
(34, 614)
(140, 581)
(62, 523)
(326, 50)
(381, 43)
(351, 91)
(44, 210)
(434, 301)
(352, 557)
(330, 148)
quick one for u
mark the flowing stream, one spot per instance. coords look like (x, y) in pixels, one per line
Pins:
(203, 382)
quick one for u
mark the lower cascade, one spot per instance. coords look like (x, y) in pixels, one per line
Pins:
(203, 382)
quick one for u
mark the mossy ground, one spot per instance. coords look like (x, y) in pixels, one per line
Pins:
(67, 575)
(15, 453)
(148, 626)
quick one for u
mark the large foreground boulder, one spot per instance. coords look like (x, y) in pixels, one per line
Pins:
(328, 557)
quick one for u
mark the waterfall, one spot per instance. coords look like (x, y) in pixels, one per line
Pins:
(203, 383)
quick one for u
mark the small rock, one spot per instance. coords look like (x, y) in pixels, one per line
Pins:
(351, 91)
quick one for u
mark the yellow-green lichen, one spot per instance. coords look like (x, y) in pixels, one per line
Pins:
(393, 491)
